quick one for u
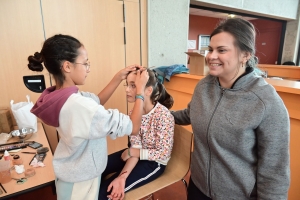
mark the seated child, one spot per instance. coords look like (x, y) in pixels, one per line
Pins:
(150, 150)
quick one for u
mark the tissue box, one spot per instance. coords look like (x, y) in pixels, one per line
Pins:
(197, 64)
(6, 121)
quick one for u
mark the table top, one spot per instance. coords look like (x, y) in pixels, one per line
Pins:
(286, 86)
(44, 175)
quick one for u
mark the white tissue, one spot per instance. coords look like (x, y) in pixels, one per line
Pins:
(35, 163)
(19, 169)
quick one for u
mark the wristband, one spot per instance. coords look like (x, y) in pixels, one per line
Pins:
(138, 96)
(129, 152)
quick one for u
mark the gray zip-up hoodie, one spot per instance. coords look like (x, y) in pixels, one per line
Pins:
(241, 139)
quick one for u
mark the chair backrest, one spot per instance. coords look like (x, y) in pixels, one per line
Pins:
(51, 136)
(177, 168)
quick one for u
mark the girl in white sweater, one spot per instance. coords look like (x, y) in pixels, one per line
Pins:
(79, 117)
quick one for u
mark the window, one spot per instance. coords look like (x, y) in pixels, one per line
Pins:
(203, 42)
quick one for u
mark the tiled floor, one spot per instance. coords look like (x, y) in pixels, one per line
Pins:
(175, 191)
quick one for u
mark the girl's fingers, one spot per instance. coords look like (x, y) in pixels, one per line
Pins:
(109, 187)
(122, 196)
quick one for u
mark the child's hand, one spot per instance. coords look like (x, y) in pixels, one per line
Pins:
(141, 80)
(122, 74)
(118, 188)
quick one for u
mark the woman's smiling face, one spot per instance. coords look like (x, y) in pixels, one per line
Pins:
(223, 59)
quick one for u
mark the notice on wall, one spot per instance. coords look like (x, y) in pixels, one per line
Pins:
(191, 44)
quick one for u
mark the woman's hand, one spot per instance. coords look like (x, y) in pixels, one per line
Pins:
(118, 188)
(122, 74)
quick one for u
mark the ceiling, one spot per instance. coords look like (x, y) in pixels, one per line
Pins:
(208, 13)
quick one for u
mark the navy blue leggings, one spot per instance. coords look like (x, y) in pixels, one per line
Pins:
(144, 172)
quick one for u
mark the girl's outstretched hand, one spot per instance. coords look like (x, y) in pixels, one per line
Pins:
(122, 74)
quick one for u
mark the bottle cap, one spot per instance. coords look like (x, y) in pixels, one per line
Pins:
(6, 155)
(17, 160)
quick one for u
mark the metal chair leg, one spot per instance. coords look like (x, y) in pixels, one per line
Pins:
(186, 186)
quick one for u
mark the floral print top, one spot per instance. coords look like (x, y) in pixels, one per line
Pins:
(156, 135)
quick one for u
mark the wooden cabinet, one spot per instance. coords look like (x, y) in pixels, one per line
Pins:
(98, 24)
(282, 71)
(21, 34)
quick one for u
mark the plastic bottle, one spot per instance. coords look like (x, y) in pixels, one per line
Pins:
(6, 155)
(17, 160)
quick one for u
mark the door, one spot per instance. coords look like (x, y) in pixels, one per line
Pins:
(21, 34)
(98, 24)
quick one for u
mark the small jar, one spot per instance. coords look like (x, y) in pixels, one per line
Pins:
(29, 172)
(17, 160)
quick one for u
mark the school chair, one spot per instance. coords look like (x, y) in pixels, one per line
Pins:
(52, 136)
(177, 168)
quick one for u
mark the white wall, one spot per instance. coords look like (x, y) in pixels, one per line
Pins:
(168, 25)
(292, 37)
(167, 32)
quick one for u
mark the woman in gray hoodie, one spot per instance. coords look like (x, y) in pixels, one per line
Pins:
(241, 126)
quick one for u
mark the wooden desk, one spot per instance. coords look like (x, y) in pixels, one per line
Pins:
(283, 71)
(182, 86)
(44, 175)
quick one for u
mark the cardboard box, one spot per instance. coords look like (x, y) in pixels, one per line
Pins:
(202, 52)
(197, 64)
(6, 121)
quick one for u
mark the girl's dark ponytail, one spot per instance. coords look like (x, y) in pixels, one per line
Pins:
(164, 98)
(159, 93)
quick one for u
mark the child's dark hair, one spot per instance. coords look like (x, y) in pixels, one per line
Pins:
(56, 49)
(159, 93)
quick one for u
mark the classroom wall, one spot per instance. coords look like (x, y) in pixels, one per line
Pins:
(167, 32)
(98, 24)
(277, 9)
(201, 25)
(267, 37)
(292, 38)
